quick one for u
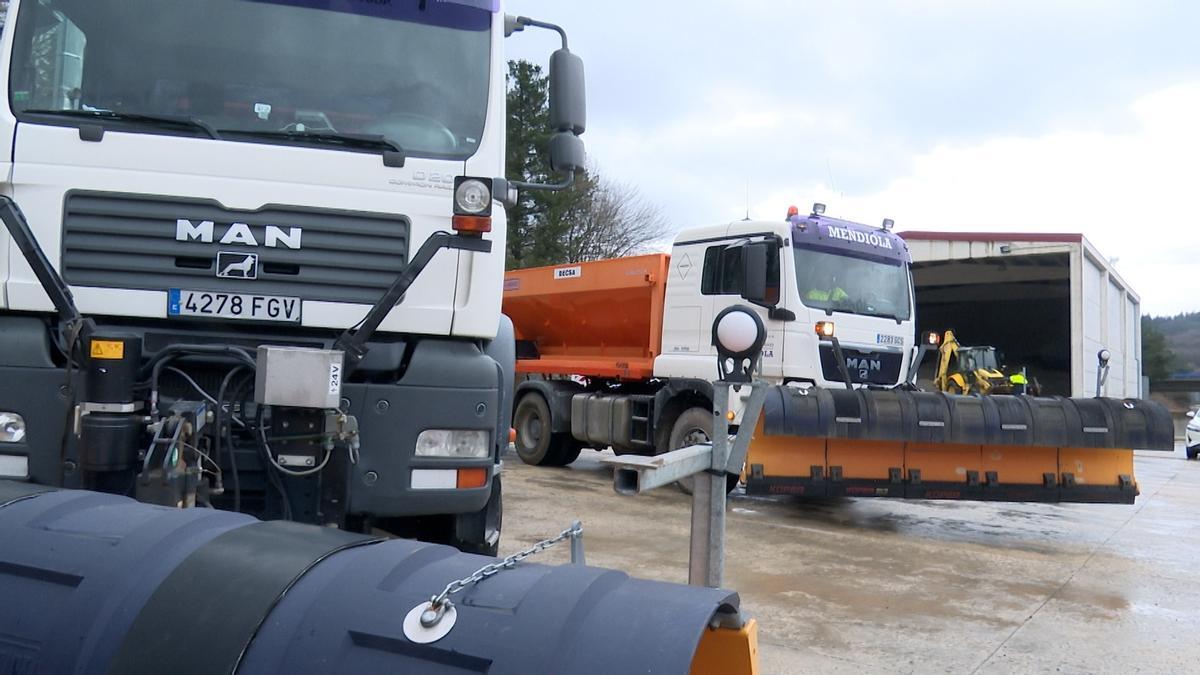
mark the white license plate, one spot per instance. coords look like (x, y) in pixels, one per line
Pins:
(182, 302)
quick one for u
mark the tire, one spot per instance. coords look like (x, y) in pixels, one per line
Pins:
(536, 444)
(1193, 452)
(567, 451)
(695, 426)
(479, 532)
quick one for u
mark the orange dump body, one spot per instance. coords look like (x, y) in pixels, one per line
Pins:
(596, 319)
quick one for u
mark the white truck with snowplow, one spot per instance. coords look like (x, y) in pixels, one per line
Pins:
(622, 353)
(213, 210)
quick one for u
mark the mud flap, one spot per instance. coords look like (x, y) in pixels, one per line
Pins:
(929, 445)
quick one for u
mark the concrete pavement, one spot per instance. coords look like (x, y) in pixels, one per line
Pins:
(910, 586)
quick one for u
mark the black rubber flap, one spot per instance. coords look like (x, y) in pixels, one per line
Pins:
(789, 411)
(891, 415)
(203, 616)
(934, 417)
(1145, 425)
(1014, 425)
(1097, 429)
(11, 491)
(851, 416)
(1056, 422)
(933, 423)
(974, 419)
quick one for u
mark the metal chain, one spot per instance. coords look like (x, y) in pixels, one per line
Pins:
(496, 567)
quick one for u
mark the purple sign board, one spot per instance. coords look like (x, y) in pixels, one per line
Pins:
(844, 237)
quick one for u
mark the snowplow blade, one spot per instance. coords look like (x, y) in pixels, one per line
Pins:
(93, 582)
(930, 445)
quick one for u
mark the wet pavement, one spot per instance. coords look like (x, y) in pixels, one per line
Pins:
(860, 586)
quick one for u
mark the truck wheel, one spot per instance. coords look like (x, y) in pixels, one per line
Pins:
(479, 532)
(567, 450)
(536, 444)
(532, 422)
(1193, 452)
(692, 427)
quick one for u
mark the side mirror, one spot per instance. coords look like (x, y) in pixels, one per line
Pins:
(568, 100)
(1191, 413)
(568, 111)
(754, 271)
(568, 108)
(566, 152)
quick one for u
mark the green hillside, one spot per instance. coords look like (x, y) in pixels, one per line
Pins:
(1182, 336)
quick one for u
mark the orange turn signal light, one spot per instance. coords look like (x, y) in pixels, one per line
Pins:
(472, 224)
(825, 329)
(472, 478)
(730, 415)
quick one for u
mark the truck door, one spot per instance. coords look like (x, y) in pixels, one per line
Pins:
(729, 268)
(687, 318)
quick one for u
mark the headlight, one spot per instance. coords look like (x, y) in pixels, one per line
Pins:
(12, 427)
(453, 443)
(472, 197)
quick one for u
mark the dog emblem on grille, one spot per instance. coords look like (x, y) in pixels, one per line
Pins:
(237, 265)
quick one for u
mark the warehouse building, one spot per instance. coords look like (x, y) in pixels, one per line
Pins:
(1048, 302)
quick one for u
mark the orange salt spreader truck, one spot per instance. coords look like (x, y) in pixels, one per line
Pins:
(619, 353)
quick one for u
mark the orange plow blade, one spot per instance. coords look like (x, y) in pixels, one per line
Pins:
(924, 445)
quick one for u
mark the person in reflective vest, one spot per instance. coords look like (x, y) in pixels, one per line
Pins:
(827, 292)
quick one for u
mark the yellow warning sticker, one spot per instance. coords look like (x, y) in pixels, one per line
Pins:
(108, 349)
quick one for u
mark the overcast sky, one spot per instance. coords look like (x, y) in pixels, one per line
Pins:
(1013, 115)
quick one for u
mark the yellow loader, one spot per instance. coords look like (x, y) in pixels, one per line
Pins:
(976, 370)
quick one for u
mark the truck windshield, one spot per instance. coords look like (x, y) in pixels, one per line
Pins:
(843, 283)
(413, 72)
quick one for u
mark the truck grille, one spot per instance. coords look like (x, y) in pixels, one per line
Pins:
(877, 367)
(129, 241)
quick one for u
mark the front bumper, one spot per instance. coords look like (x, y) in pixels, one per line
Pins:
(447, 384)
(390, 418)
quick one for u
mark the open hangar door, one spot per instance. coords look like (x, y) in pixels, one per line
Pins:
(1018, 302)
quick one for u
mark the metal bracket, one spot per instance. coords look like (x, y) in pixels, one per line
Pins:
(423, 629)
(841, 360)
(47, 275)
(577, 557)
(633, 474)
(353, 341)
(709, 464)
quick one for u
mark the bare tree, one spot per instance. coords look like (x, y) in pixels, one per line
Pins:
(594, 219)
(608, 219)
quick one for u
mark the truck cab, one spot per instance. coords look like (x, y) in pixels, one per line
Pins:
(211, 186)
(620, 352)
(794, 274)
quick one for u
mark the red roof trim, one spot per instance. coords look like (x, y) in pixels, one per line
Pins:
(925, 235)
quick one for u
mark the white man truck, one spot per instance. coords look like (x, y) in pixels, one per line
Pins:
(620, 353)
(253, 254)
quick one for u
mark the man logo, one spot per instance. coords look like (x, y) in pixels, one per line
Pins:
(237, 265)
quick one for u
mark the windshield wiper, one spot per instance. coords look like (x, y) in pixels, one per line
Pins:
(361, 141)
(177, 121)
